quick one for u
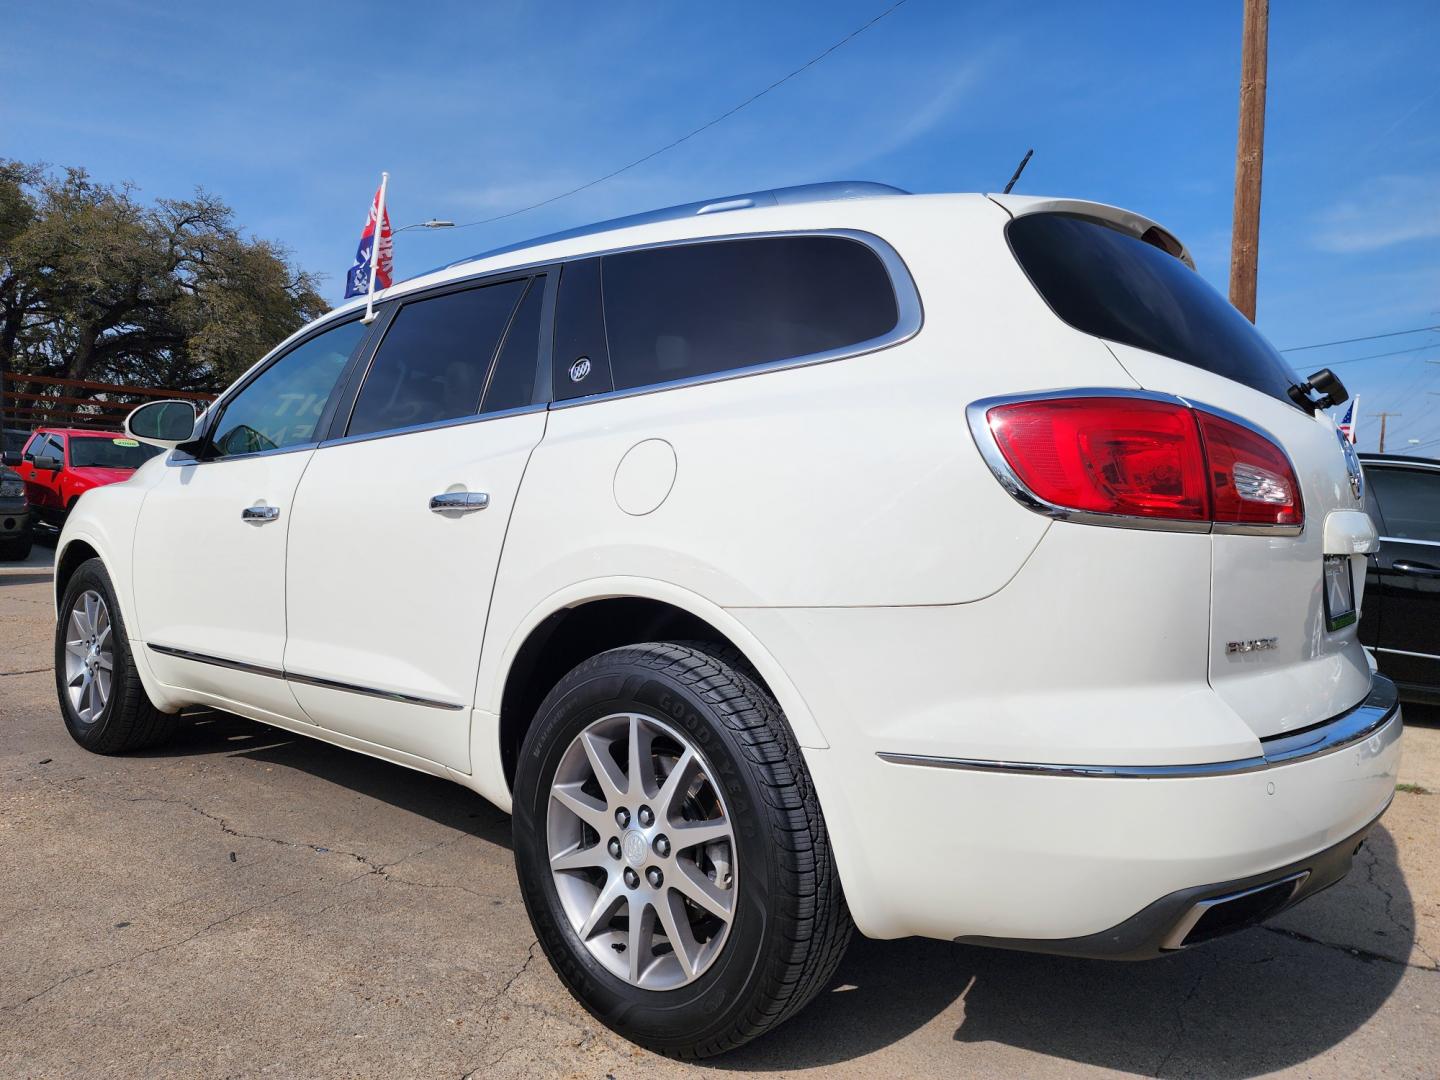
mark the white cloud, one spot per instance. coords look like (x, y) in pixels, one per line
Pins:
(1392, 210)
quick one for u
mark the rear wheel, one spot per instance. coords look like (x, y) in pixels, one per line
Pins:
(671, 851)
(105, 707)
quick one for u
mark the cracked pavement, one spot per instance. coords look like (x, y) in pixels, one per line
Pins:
(245, 903)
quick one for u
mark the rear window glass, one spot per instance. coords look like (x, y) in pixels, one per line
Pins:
(698, 309)
(1113, 285)
(1409, 501)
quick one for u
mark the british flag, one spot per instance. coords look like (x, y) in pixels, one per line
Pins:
(357, 280)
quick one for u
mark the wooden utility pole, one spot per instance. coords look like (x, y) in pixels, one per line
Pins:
(1383, 417)
(1249, 158)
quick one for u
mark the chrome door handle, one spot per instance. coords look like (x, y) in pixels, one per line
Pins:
(260, 513)
(459, 502)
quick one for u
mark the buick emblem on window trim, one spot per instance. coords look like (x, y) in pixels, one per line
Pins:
(579, 369)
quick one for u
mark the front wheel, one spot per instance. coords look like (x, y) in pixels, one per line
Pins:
(672, 853)
(104, 704)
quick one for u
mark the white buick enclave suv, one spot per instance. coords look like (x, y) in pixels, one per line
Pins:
(953, 565)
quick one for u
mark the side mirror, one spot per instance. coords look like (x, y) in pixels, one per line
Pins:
(166, 424)
(48, 464)
(10, 458)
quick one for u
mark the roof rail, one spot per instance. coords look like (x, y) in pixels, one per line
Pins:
(830, 191)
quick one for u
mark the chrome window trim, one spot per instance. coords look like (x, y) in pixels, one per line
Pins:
(909, 312)
(1377, 717)
(976, 418)
(296, 677)
(1405, 540)
(1374, 463)
(434, 425)
(175, 459)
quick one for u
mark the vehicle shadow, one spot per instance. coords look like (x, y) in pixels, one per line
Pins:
(442, 801)
(1252, 1003)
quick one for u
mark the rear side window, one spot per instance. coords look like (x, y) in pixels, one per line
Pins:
(699, 309)
(1409, 501)
(1112, 285)
(512, 383)
(435, 359)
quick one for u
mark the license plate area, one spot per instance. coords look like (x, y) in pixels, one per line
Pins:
(1339, 591)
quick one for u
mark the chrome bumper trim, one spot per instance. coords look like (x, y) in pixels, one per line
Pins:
(1377, 717)
(308, 680)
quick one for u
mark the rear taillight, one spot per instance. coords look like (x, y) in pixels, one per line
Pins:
(1139, 457)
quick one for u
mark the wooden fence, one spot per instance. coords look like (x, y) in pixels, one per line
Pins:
(31, 401)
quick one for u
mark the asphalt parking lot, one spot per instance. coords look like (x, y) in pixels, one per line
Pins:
(246, 903)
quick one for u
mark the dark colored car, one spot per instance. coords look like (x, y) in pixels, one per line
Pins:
(15, 523)
(1401, 620)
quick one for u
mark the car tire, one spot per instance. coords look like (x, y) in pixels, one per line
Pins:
(105, 706)
(15, 549)
(759, 915)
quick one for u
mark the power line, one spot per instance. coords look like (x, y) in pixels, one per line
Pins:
(1379, 355)
(690, 135)
(1351, 341)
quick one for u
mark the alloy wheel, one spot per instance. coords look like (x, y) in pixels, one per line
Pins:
(642, 851)
(89, 656)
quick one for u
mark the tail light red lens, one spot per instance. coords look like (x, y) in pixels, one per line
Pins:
(1251, 481)
(1138, 457)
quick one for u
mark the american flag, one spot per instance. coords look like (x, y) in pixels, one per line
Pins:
(357, 281)
(1347, 422)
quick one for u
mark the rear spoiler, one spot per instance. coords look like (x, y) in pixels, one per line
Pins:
(1124, 220)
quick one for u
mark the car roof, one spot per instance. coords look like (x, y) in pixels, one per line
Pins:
(78, 431)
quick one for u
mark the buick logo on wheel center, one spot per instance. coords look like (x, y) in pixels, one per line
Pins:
(579, 369)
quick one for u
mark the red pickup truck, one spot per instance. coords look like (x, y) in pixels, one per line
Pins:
(59, 465)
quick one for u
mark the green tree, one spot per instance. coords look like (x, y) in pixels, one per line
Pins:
(96, 284)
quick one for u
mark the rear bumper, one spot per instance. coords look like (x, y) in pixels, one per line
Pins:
(1192, 916)
(1102, 863)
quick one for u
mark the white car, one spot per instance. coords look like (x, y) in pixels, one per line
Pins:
(953, 565)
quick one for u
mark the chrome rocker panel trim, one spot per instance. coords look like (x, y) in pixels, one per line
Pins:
(296, 677)
(1378, 717)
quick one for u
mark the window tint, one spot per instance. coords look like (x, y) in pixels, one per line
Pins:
(697, 309)
(283, 405)
(1409, 501)
(109, 453)
(512, 383)
(1110, 284)
(582, 359)
(434, 359)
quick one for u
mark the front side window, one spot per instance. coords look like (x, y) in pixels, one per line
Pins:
(699, 309)
(435, 358)
(1409, 501)
(109, 453)
(282, 406)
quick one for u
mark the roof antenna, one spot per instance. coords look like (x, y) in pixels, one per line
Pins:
(1018, 170)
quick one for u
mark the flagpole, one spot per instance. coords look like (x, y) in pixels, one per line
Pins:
(375, 250)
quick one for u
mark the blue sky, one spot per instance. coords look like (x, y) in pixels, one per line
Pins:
(290, 111)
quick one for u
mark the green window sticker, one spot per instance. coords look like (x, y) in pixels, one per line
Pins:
(124, 442)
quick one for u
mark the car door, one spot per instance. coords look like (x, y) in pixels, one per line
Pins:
(42, 485)
(401, 516)
(209, 556)
(1408, 571)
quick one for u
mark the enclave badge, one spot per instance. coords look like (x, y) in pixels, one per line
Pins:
(1258, 644)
